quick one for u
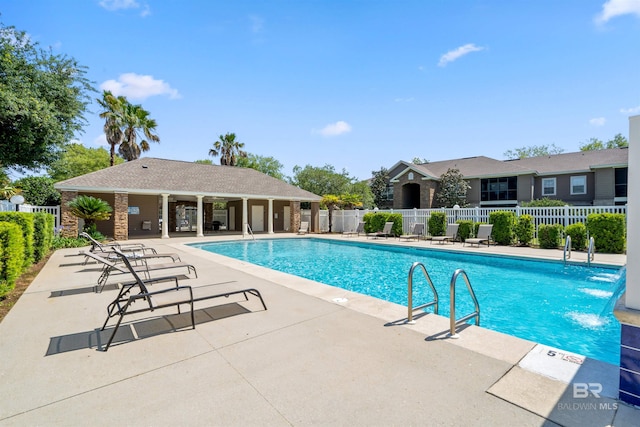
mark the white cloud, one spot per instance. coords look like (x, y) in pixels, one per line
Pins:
(634, 110)
(452, 55)
(334, 129)
(113, 5)
(101, 141)
(613, 8)
(136, 86)
(597, 121)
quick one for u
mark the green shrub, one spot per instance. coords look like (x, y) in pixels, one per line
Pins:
(437, 223)
(11, 255)
(578, 234)
(465, 229)
(42, 234)
(476, 226)
(524, 229)
(543, 203)
(550, 235)
(608, 232)
(24, 220)
(374, 221)
(503, 225)
(68, 242)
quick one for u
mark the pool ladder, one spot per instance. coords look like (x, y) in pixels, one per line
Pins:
(591, 250)
(453, 322)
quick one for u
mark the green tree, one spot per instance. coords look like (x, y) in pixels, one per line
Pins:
(533, 151)
(125, 125)
(78, 160)
(112, 115)
(362, 191)
(379, 183)
(38, 190)
(452, 189)
(419, 161)
(321, 180)
(266, 165)
(204, 162)
(43, 99)
(228, 149)
(137, 125)
(7, 190)
(333, 202)
(618, 141)
(91, 209)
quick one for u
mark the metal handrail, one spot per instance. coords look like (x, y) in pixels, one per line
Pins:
(452, 310)
(591, 251)
(250, 232)
(410, 308)
(567, 249)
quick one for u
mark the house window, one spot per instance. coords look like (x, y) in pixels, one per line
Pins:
(549, 187)
(388, 193)
(410, 177)
(579, 184)
(621, 176)
(492, 189)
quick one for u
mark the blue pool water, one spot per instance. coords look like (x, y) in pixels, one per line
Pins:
(565, 306)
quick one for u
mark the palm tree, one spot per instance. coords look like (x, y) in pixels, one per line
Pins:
(91, 209)
(123, 124)
(228, 149)
(136, 124)
(113, 107)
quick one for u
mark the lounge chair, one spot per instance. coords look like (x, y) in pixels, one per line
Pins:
(416, 232)
(484, 235)
(304, 227)
(359, 229)
(109, 266)
(450, 234)
(174, 296)
(123, 247)
(386, 231)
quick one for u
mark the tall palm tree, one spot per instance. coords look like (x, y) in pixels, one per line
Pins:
(228, 149)
(113, 108)
(136, 123)
(125, 123)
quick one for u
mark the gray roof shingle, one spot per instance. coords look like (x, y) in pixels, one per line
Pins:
(152, 175)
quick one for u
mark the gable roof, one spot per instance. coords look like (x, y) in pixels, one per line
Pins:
(581, 161)
(469, 167)
(151, 175)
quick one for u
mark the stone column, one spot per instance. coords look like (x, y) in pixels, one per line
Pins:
(627, 310)
(121, 216)
(295, 215)
(68, 222)
(165, 216)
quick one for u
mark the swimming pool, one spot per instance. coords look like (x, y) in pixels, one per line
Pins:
(565, 306)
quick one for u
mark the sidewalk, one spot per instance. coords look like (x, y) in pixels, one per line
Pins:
(318, 356)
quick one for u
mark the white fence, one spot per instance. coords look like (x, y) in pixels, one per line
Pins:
(6, 206)
(347, 220)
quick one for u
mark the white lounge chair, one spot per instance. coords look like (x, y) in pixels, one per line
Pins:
(450, 234)
(484, 235)
(304, 227)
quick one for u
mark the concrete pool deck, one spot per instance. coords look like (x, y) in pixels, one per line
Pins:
(318, 355)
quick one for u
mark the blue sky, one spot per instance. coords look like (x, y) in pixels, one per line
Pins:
(354, 84)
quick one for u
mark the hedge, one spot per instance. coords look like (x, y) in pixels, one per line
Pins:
(437, 223)
(465, 230)
(11, 255)
(550, 235)
(374, 221)
(43, 234)
(608, 232)
(25, 221)
(503, 225)
(524, 229)
(578, 234)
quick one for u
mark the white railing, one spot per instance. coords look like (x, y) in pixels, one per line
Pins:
(347, 220)
(6, 206)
